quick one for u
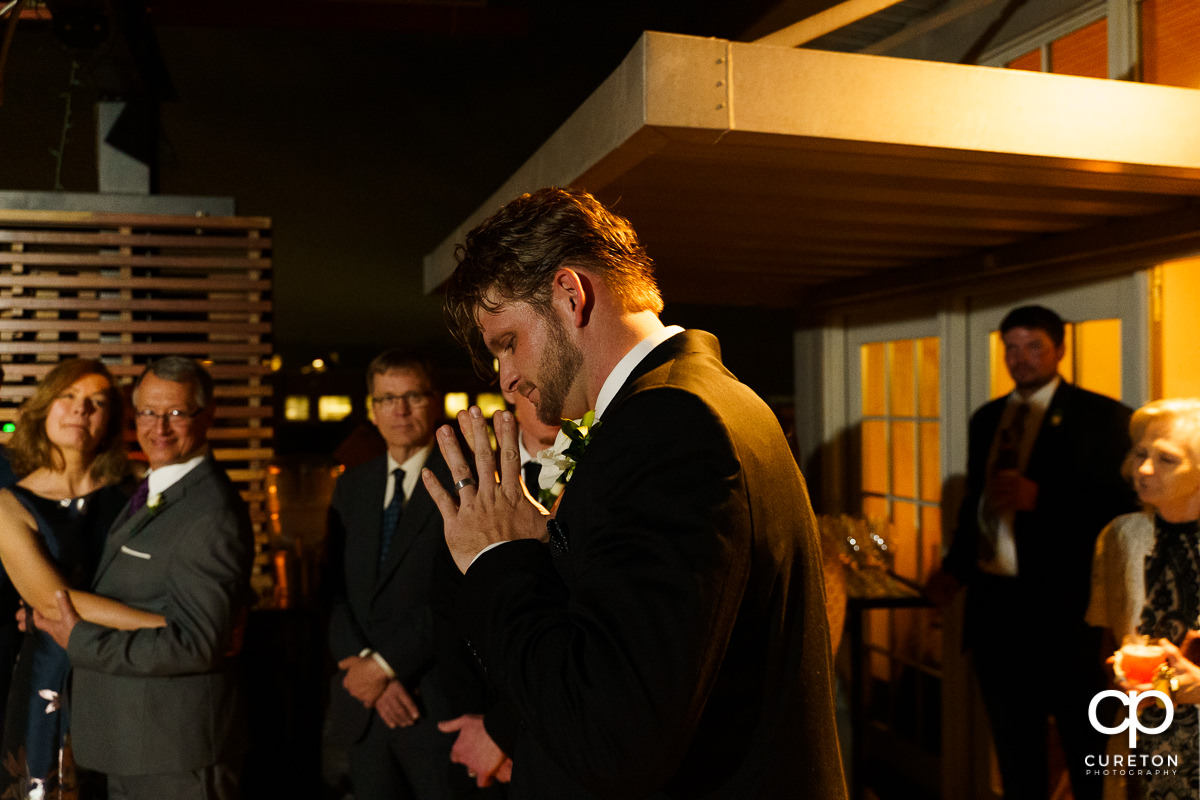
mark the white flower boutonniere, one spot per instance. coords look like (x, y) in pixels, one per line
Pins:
(154, 502)
(559, 462)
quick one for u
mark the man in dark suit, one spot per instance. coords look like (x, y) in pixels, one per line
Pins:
(533, 436)
(385, 542)
(487, 723)
(159, 710)
(665, 634)
(1043, 478)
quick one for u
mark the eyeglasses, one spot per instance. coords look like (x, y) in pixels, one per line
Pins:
(174, 416)
(411, 399)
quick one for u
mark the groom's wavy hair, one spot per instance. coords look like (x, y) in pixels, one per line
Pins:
(512, 256)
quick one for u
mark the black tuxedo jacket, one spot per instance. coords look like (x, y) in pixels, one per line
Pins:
(385, 608)
(679, 647)
(1076, 463)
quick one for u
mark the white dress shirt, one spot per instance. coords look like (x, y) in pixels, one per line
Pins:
(1005, 560)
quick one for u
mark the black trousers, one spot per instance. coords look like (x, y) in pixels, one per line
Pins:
(1033, 666)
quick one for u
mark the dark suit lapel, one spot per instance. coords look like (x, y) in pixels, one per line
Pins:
(672, 349)
(417, 512)
(412, 522)
(1046, 445)
(370, 494)
(990, 416)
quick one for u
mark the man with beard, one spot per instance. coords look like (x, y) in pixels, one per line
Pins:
(665, 633)
(1043, 479)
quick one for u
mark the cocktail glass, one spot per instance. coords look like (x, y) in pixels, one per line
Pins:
(1139, 660)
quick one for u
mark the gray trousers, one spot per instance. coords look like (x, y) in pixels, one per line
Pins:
(216, 782)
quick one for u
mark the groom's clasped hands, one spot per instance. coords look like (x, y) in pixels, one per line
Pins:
(495, 509)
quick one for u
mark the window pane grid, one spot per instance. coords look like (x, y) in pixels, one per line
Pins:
(901, 443)
(901, 487)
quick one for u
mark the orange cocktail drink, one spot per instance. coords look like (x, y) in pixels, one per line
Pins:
(1140, 662)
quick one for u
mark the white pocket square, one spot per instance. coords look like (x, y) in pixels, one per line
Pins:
(129, 551)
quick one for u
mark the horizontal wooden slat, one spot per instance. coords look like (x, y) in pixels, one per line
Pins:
(104, 219)
(98, 349)
(243, 390)
(218, 371)
(107, 239)
(201, 328)
(243, 453)
(117, 303)
(115, 260)
(223, 284)
(19, 392)
(248, 475)
(219, 433)
(243, 412)
(235, 413)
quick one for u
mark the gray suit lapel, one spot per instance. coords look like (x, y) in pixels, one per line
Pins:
(125, 529)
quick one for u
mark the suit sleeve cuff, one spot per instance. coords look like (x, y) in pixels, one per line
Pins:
(381, 661)
(491, 546)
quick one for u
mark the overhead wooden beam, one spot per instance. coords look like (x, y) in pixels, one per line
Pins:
(828, 21)
(1114, 247)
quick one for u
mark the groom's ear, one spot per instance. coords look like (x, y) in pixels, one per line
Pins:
(572, 292)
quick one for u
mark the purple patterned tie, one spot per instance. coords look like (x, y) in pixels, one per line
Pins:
(138, 501)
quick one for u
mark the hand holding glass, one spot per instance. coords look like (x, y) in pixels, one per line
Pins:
(1138, 660)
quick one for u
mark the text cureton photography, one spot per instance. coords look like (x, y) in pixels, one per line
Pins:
(1131, 764)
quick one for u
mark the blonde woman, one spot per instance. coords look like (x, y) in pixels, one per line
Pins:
(69, 452)
(1146, 578)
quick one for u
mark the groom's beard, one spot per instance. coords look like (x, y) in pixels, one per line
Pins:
(561, 363)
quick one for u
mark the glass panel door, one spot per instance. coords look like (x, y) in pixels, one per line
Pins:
(1108, 350)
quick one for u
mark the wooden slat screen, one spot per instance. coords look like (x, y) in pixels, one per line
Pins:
(128, 288)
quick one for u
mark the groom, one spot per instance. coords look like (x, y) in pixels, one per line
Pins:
(665, 634)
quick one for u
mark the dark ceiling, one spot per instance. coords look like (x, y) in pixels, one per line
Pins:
(364, 130)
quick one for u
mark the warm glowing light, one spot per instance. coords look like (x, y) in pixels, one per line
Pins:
(276, 363)
(318, 364)
(296, 408)
(456, 402)
(334, 407)
(490, 402)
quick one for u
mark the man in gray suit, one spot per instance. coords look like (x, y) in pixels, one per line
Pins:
(158, 709)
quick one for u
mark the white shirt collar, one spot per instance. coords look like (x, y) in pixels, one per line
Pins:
(625, 367)
(168, 475)
(1039, 399)
(412, 472)
(521, 451)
